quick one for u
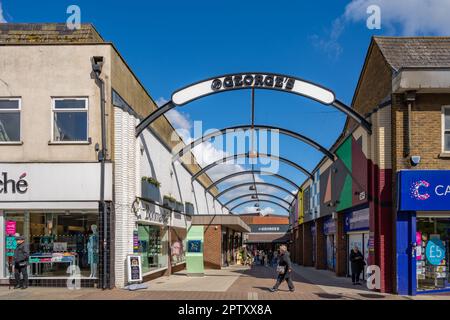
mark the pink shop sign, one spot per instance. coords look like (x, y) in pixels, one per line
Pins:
(10, 228)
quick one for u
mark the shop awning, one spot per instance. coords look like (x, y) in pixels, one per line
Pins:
(231, 221)
(267, 238)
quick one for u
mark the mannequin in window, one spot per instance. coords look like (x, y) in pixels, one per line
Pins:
(92, 247)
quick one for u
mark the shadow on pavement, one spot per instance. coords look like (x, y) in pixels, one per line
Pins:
(325, 278)
(333, 296)
(263, 288)
(371, 296)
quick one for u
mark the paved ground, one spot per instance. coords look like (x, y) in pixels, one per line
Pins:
(234, 283)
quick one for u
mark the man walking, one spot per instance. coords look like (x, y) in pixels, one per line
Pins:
(284, 270)
(21, 255)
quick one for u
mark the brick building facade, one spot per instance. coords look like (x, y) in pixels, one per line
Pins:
(403, 90)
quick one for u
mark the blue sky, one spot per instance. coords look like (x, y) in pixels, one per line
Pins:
(170, 44)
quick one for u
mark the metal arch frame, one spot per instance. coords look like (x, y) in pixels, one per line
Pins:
(259, 194)
(250, 201)
(224, 131)
(361, 120)
(259, 172)
(255, 183)
(247, 155)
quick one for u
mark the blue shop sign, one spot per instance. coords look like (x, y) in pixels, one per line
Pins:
(356, 220)
(329, 226)
(423, 190)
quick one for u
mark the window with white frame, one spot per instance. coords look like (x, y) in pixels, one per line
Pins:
(446, 128)
(70, 119)
(10, 120)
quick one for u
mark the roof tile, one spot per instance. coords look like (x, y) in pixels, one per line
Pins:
(26, 33)
(425, 52)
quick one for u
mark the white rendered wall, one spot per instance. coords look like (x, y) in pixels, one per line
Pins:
(146, 156)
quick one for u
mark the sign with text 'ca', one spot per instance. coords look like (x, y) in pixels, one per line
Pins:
(424, 190)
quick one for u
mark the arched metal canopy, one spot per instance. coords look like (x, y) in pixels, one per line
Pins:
(287, 132)
(255, 183)
(259, 195)
(247, 155)
(253, 80)
(237, 174)
(253, 201)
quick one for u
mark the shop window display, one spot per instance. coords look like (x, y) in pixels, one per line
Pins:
(57, 241)
(152, 247)
(177, 246)
(432, 256)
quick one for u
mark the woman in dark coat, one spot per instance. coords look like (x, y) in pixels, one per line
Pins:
(284, 270)
(357, 264)
(21, 255)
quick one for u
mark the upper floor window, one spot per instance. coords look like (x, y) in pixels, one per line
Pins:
(70, 119)
(10, 119)
(446, 128)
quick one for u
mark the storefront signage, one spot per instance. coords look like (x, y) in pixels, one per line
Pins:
(146, 211)
(194, 246)
(329, 226)
(268, 228)
(8, 185)
(134, 268)
(10, 228)
(253, 80)
(424, 190)
(11, 244)
(135, 241)
(52, 182)
(418, 246)
(356, 220)
(435, 251)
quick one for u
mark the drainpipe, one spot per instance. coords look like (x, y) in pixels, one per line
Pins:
(97, 64)
(410, 97)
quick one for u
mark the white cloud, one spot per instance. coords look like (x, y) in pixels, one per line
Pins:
(2, 17)
(161, 101)
(288, 197)
(267, 210)
(405, 17)
(179, 120)
(264, 211)
(398, 17)
(207, 152)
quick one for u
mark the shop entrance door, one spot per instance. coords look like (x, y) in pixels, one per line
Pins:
(361, 240)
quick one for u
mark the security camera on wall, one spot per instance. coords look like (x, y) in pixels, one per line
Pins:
(415, 160)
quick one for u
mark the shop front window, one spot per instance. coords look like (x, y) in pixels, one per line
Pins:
(152, 247)
(432, 256)
(178, 245)
(60, 243)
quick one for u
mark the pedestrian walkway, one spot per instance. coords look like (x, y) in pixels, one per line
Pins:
(232, 283)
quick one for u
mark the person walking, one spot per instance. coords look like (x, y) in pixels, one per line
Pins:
(21, 255)
(357, 264)
(284, 270)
